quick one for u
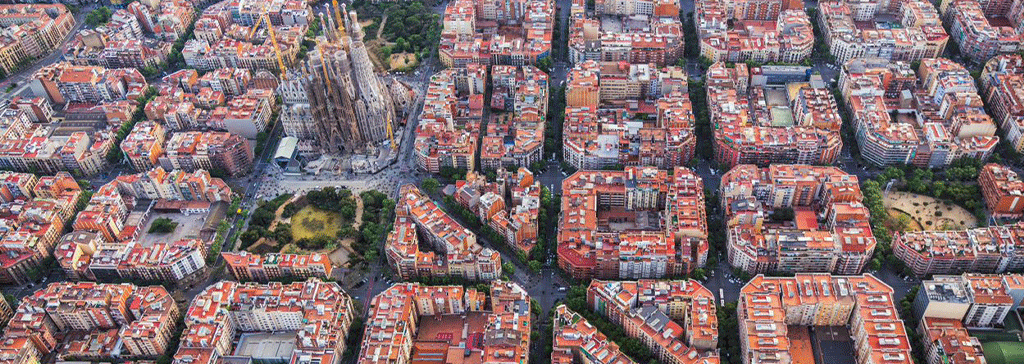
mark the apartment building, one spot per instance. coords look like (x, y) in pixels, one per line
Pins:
(1002, 82)
(516, 33)
(627, 114)
(928, 119)
(943, 297)
(141, 319)
(78, 144)
(754, 30)
(247, 266)
(225, 99)
(74, 253)
(167, 20)
(231, 81)
(456, 250)
(947, 341)
(31, 31)
(918, 35)
(762, 116)
(575, 337)
(639, 223)
(245, 116)
(63, 83)
(402, 312)
(1002, 189)
(510, 205)
(642, 32)
(975, 300)
(770, 307)
(676, 320)
(225, 152)
(990, 303)
(120, 43)
(33, 212)
(760, 241)
(144, 145)
(522, 93)
(449, 126)
(160, 262)
(979, 37)
(102, 245)
(174, 185)
(982, 250)
(105, 213)
(318, 314)
(100, 48)
(225, 34)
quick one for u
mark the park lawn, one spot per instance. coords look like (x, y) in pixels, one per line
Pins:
(1001, 352)
(311, 222)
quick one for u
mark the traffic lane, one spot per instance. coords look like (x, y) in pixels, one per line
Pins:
(722, 284)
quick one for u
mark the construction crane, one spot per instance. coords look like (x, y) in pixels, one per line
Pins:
(323, 63)
(255, 27)
(339, 19)
(391, 134)
(273, 40)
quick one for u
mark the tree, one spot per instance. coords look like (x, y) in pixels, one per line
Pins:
(249, 237)
(544, 64)
(430, 185)
(261, 217)
(698, 274)
(508, 268)
(149, 71)
(347, 212)
(98, 17)
(534, 266)
(283, 234)
(163, 225)
(875, 264)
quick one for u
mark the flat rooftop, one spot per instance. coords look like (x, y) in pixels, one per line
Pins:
(266, 345)
(462, 334)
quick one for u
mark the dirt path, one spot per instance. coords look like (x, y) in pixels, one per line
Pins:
(383, 21)
(280, 210)
(382, 65)
(340, 255)
(358, 221)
